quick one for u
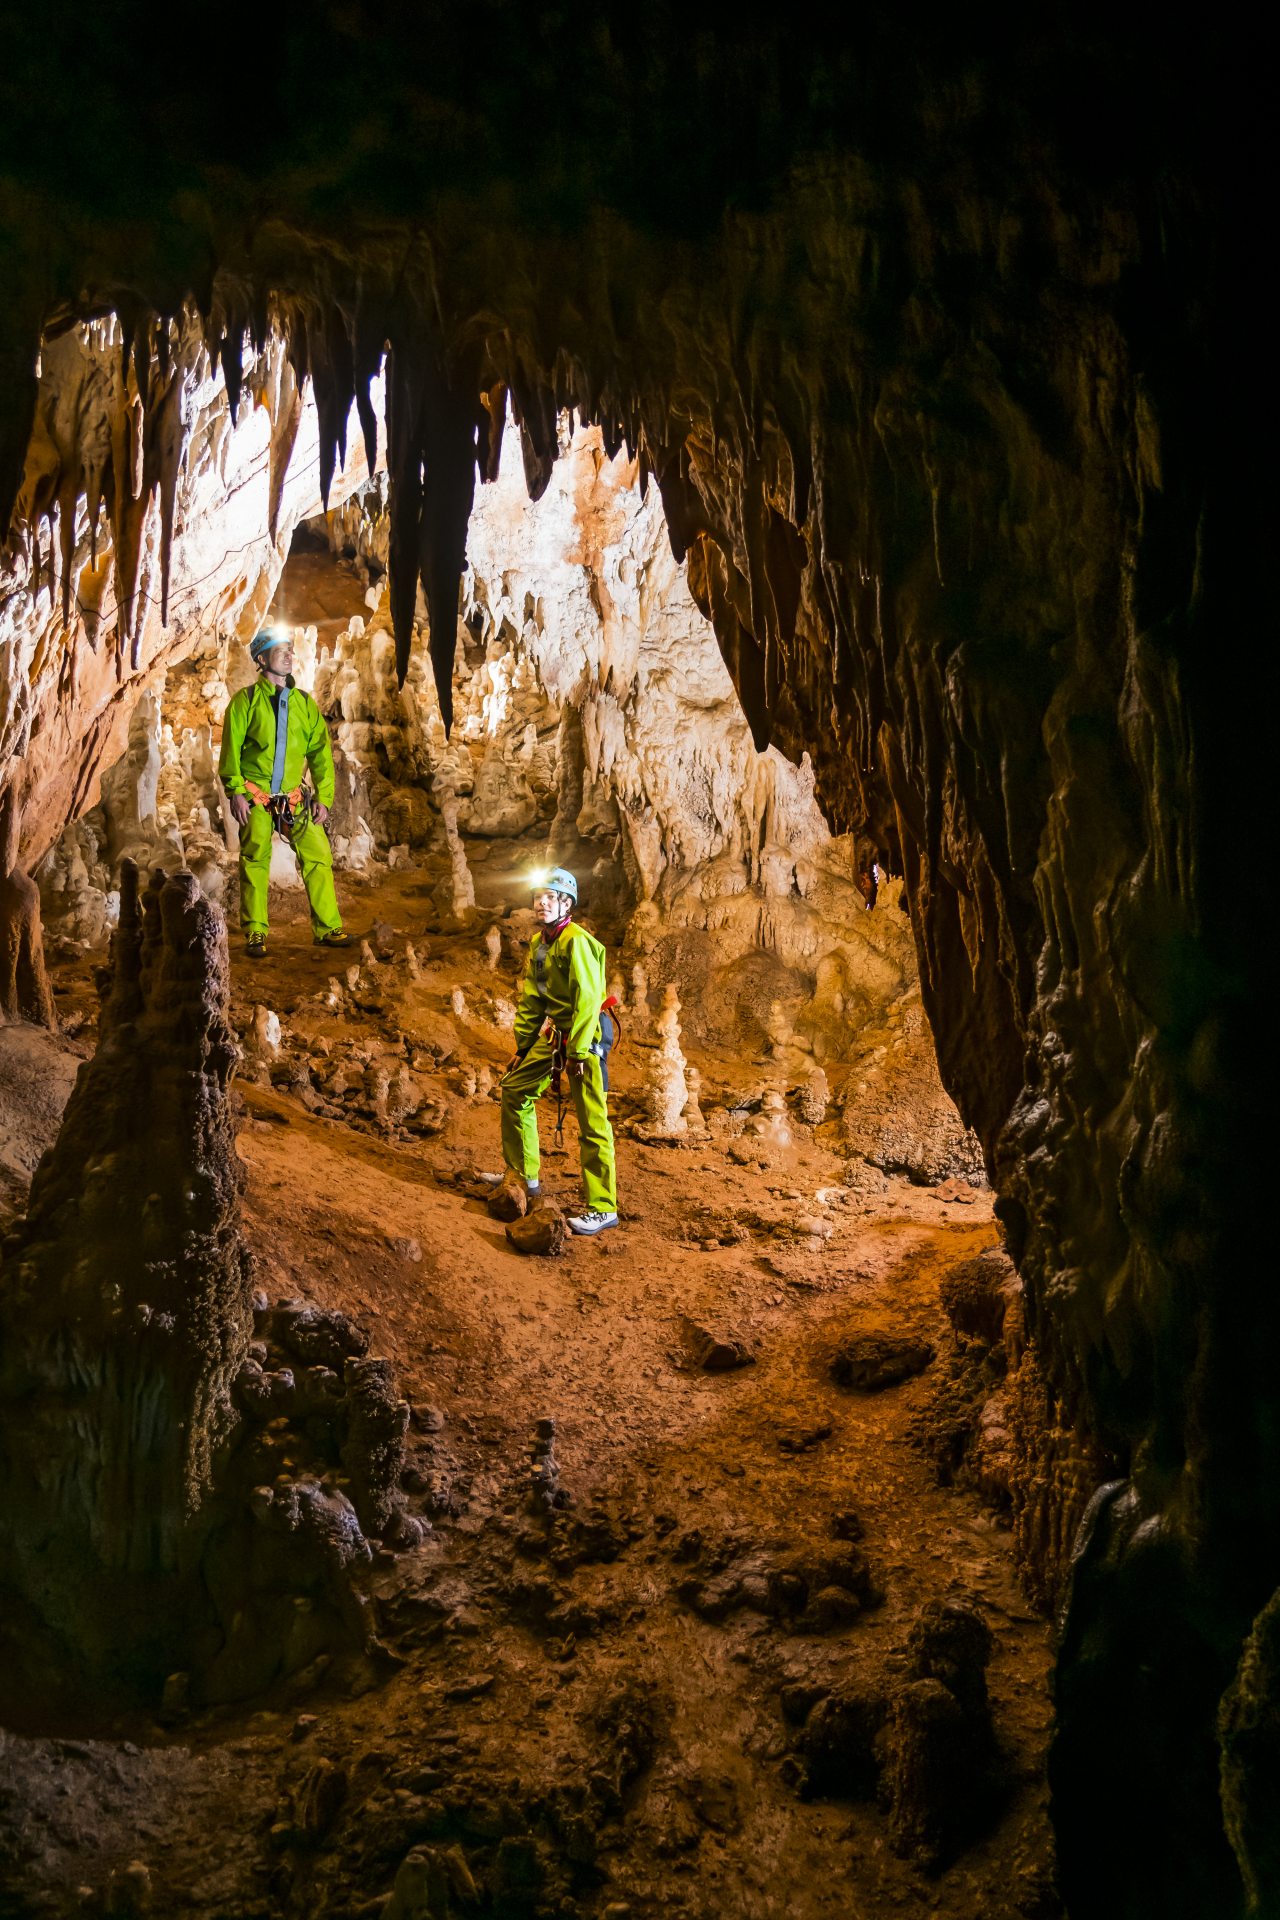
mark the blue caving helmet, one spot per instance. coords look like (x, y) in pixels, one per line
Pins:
(262, 643)
(559, 880)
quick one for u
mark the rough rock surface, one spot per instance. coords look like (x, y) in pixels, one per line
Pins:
(934, 372)
(541, 1231)
(199, 1533)
(126, 1305)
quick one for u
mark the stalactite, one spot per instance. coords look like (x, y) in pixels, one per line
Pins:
(19, 388)
(168, 433)
(534, 408)
(449, 424)
(285, 401)
(368, 346)
(436, 434)
(493, 418)
(126, 510)
(404, 474)
(334, 383)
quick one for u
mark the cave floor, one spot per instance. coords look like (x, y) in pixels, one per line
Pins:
(519, 1668)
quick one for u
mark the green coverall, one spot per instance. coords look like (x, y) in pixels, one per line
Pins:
(248, 753)
(574, 967)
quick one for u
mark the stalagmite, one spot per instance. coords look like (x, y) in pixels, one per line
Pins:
(265, 1032)
(695, 1125)
(25, 993)
(785, 1055)
(126, 1309)
(815, 1097)
(640, 997)
(493, 948)
(666, 1088)
(461, 886)
(770, 1128)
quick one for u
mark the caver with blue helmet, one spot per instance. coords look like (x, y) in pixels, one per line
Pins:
(558, 1024)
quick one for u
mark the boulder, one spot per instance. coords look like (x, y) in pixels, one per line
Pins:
(542, 1231)
(509, 1201)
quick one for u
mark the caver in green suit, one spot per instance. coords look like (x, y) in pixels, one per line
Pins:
(249, 759)
(564, 985)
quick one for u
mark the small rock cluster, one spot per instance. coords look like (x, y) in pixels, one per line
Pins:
(807, 1589)
(322, 1405)
(925, 1748)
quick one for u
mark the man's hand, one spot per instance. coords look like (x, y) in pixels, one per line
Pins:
(241, 807)
(577, 1071)
(322, 813)
(512, 1064)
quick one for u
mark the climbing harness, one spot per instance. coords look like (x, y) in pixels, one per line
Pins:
(285, 808)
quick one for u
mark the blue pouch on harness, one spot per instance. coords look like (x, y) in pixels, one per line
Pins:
(605, 1044)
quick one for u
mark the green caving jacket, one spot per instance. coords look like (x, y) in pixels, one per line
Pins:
(249, 742)
(575, 990)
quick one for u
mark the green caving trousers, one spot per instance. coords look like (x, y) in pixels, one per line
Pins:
(525, 1084)
(315, 856)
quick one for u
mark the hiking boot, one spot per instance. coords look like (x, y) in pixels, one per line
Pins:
(591, 1220)
(256, 946)
(339, 938)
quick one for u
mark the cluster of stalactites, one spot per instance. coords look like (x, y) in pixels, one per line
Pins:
(446, 405)
(115, 439)
(446, 410)
(120, 440)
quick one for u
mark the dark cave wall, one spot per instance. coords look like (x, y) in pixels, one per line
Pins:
(930, 372)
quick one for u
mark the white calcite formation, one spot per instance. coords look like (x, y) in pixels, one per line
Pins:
(149, 522)
(666, 1086)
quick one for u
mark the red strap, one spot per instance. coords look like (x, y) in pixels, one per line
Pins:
(264, 799)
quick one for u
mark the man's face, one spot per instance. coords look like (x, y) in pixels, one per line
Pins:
(280, 659)
(548, 907)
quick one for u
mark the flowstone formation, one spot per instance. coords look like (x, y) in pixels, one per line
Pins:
(148, 1532)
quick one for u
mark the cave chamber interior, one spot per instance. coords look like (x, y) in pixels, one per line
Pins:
(792, 494)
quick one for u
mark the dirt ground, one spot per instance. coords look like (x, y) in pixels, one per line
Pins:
(615, 1692)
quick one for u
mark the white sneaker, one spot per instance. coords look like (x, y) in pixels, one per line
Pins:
(532, 1187)
(592, 1220)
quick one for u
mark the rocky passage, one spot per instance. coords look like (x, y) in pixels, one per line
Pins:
(679, 1611)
